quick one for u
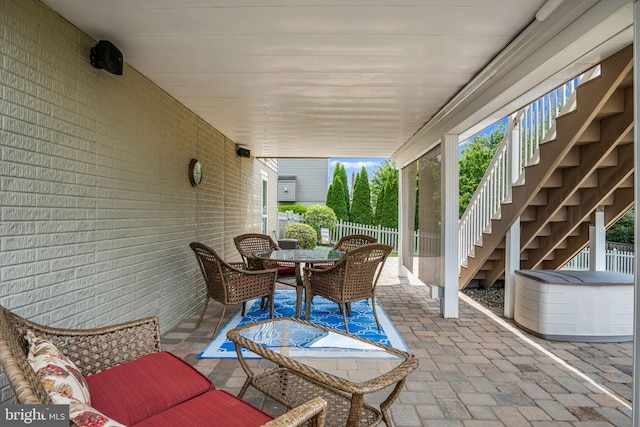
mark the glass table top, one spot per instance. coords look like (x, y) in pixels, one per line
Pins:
(350, 358)
(301, 255)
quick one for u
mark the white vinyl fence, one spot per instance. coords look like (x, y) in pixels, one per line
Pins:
(388, 236)
(616, 260)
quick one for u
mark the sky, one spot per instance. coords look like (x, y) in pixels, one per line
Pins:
(353, 166)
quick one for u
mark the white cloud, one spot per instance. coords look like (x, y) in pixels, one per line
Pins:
(359, 165)
(356, 164)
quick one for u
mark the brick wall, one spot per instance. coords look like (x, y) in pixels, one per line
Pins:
(95, 203)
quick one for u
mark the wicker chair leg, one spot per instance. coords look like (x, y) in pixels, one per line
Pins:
(215, 331)
(206, 303)
(308, 296)
(271, 307)
(263, 302)
(375, 315)
(244, 307)
(344, 316)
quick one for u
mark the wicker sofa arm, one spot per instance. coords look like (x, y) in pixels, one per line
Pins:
(98, 349)
(314, 411)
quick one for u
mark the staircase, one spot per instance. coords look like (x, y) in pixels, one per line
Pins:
(584, 162)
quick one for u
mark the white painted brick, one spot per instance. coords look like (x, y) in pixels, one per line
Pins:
(97, 210)
(17, 228)
(17, 257)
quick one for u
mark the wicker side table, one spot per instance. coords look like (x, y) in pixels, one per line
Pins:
(293, 345)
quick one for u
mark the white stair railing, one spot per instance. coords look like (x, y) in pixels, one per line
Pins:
(527, 129)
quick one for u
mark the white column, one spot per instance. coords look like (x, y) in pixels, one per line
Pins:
(402, 224)
(597, 242)
(635, 398)
(512, 247)
(450, 226)
(512, 263)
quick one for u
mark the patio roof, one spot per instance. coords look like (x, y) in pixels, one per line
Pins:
(353, 78)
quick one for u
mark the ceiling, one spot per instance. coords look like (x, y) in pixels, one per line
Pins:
(302, 78)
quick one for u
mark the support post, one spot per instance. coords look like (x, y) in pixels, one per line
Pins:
(597, 242)
(512, 248)
(635, 397)
(450, 226)
(512, 263)
(403, 229)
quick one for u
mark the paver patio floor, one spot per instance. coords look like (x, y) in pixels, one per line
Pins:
(475, 371)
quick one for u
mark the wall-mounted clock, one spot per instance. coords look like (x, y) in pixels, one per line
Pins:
(195, 172)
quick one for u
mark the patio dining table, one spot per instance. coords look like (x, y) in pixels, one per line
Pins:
(298, 257)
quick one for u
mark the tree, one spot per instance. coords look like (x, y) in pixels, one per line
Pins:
(331, 197)
(623, 230)
(361, 212)
(381, 175)
(378, 209)
(474, 161)
(335, 199)
(341, 172)
(385, 173)
(389, 205)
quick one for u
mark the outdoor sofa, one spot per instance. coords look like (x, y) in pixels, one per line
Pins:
(129, 380)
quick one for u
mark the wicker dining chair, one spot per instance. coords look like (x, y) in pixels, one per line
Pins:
(348, 242)
(230, 285)
(353, 278)
(251, 244)
(352, 241)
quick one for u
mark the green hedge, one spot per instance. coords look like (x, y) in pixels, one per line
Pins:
(296, 209)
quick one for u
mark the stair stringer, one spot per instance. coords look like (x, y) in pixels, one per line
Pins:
(592, 97)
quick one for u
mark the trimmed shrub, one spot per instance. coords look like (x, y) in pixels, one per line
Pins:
(319, 216)
(306, 235)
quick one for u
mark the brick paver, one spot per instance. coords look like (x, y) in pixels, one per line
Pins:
(474, 371)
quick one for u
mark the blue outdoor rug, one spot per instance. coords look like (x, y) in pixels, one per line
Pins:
(323, 312)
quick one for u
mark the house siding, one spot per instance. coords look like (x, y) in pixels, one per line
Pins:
(96, 206)
(312, 179)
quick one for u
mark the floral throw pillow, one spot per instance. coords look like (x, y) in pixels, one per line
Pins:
(86, 416)
(59, 375)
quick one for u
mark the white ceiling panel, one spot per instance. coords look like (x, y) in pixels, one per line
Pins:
(302, 78)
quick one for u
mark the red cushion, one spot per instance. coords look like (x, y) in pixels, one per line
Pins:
(134, 391)
(216, 408)
(285, 270)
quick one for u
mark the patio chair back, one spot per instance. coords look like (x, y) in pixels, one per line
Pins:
(251, 244)
(352, 241)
